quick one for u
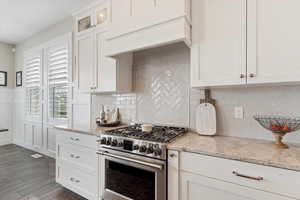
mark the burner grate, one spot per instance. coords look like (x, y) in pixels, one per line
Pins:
(162, 134)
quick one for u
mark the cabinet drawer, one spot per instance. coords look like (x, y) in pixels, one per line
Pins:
(82, 157)
(82, 183)
(279, 181)
(78, 139)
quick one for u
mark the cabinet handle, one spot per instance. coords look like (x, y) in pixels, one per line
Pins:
(77, 157)
(77, 181)
(72, 155)
(252, 75)
(242, 76)
(258, 178)
(172, 155)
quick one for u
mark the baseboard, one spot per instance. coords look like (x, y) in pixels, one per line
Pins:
(5, 142)
(38, 150)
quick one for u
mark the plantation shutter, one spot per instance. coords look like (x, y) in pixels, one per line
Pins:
(33, 68)
(58, 62)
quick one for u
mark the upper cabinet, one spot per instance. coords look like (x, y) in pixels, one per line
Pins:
(95, 15)
(219, 42)
(273, 41)
(238, 42)
(141, 24)
(96, 73)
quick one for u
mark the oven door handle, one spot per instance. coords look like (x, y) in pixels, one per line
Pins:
(160, 167)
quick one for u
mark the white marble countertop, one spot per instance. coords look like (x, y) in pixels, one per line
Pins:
(93, 132)
(241, 149)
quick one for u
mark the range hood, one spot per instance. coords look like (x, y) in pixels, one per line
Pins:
(152, 27)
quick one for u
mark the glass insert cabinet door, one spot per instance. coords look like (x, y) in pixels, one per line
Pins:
(84, 23)
(101, 16)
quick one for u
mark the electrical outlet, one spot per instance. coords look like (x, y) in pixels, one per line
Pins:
(239, 112)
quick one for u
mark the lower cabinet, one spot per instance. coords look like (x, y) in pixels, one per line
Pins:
(77, 163)
(196, 187)
(196, 177)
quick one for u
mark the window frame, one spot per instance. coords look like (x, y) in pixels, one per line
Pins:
(60, 41)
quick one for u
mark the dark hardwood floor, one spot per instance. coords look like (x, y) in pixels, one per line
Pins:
(25, 178)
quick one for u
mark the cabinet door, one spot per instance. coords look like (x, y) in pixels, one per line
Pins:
(173, 175)
(196, 187)
(84, 62)
(273, 41)
(83, 22)
(102, 14)
(106, 67)
(219, 42)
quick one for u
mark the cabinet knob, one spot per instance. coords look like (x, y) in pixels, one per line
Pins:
(252, 75)
(242, 76)
(172, 155)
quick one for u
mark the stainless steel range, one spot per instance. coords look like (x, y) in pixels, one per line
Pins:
(134, 162)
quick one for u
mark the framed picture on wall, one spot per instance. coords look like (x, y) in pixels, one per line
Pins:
(3, 78)
(19, 79)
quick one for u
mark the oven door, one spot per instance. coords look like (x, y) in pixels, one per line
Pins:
(126, 176)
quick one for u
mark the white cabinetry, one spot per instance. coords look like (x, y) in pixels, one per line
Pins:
(273, 41)
(85, 61)
(94, 71)
(240, 42)
(206, 177)
(219, 42)
(140, 24)
(76, 163)
(197, 187)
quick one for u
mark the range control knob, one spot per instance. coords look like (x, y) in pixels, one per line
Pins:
(114, 142)
(143, 149)
(150, 150)
(103, 141)
(108, 142)
(136, 147)
(157, 152)
(120, 144)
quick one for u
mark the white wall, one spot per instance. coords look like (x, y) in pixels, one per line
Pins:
(162, 94)
(6, 64)
(40, 38)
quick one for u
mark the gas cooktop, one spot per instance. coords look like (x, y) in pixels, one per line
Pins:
(161, 134)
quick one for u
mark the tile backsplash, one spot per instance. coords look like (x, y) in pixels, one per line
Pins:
(161, 88)
(162, 95)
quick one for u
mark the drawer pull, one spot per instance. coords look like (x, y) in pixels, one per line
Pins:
(73, 156)
(74, 180)
(74, 139)
(258, 178)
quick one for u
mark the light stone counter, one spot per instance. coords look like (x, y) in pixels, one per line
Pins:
(241, 149)
(93, 132)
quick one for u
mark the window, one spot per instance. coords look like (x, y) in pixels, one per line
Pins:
(33, 65)
(47, 80)
(57, 64)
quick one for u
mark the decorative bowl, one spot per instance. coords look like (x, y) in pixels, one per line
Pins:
(279, 126)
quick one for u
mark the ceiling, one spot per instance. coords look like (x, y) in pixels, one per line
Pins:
(20, 19)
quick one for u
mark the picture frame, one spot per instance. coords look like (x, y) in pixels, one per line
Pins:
(3, 78)
(19, 79)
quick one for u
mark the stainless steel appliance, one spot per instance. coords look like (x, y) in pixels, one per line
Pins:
(134, 163)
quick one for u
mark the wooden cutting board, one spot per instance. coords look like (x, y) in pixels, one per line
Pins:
(206, 120)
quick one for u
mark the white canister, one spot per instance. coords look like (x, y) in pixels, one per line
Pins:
(147, 128)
